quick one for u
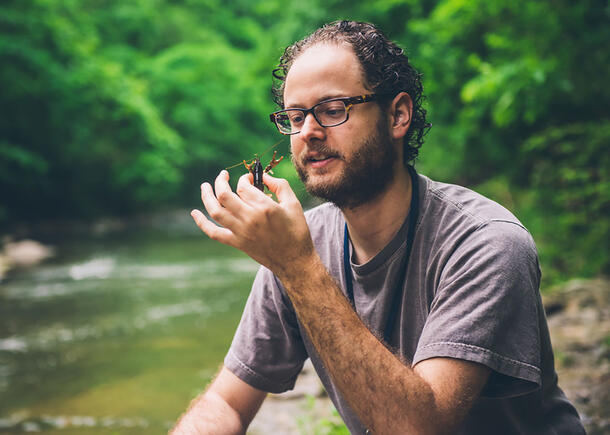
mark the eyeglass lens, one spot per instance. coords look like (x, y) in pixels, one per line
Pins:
(328, 114)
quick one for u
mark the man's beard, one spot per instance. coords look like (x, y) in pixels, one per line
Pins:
(367, 173)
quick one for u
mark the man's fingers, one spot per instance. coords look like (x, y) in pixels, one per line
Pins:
(216, 211)
(225, 196)
(247, 191)
(213, 231)
(281, 188)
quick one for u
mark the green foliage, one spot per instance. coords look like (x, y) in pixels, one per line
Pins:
(97, 141)
(519, 108)
(109, 107)
(315, 425)
(498, 72)
(570, 184)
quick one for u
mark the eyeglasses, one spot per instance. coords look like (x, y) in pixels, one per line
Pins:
(328, 113)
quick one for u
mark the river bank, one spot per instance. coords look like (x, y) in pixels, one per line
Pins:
(579, 321)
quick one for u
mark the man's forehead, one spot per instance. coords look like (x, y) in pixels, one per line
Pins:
(325, 70)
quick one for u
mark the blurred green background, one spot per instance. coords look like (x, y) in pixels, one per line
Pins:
(120, 109)
(111, 108)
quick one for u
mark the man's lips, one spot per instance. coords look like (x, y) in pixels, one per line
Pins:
(321, 162)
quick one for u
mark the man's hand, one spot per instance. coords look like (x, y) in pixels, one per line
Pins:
(275, 234)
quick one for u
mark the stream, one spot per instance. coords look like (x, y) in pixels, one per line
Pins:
(117, 332)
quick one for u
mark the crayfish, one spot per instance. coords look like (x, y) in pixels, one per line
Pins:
(256, 168)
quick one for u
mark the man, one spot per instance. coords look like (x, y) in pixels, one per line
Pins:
(416, 301)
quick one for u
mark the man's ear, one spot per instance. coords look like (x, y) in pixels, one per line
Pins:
(400, 111)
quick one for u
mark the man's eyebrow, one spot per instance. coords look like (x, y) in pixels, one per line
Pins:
(324, 98)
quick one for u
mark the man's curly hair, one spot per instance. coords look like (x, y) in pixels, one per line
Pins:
(386, 69)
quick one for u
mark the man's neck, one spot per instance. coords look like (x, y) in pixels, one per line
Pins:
(372, 225)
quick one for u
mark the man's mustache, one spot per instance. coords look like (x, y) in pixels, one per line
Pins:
(316, 147)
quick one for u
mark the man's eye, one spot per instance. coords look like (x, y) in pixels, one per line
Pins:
(296, 118)
(334, 112)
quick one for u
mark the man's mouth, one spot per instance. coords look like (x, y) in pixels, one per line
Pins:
(319, 161)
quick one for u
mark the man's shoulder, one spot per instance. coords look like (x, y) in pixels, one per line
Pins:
(453, 215)
(452, 201)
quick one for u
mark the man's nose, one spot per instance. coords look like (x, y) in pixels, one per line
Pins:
(312, 128)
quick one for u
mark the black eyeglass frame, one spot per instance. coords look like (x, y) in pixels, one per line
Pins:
(347, 101)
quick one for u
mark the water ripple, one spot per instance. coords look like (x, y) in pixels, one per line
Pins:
(60, 281)
(51, 336)
(99, 268)
(45, 422)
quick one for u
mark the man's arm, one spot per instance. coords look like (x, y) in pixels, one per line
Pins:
(387, 395)
(226, 407)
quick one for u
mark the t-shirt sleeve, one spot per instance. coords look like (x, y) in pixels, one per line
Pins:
(486, 309)
(267, 351)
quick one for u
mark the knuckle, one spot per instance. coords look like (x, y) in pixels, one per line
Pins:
(214, 235)
(241, 188)
(223, 196)
(215, 214)
(295, 204)
(250, 222)
(268, 212)
(217, 235)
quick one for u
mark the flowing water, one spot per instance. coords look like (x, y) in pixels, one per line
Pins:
(116, 334)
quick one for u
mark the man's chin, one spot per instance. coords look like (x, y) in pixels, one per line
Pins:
(336, 195)
(321, 182)
(315, 189)
(329, 190)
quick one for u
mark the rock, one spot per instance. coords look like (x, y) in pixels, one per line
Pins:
(291, 412)
(5, 265)
(580, 332)
(578, 294)
(26, 252)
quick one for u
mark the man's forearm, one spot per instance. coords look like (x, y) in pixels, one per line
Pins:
(209, 414)
(387, 395)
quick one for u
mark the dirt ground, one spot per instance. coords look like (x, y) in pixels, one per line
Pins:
(579, 320)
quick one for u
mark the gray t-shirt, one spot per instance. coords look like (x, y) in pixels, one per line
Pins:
(471, 292)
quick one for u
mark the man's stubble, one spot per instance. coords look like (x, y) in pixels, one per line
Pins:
(367, 172)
